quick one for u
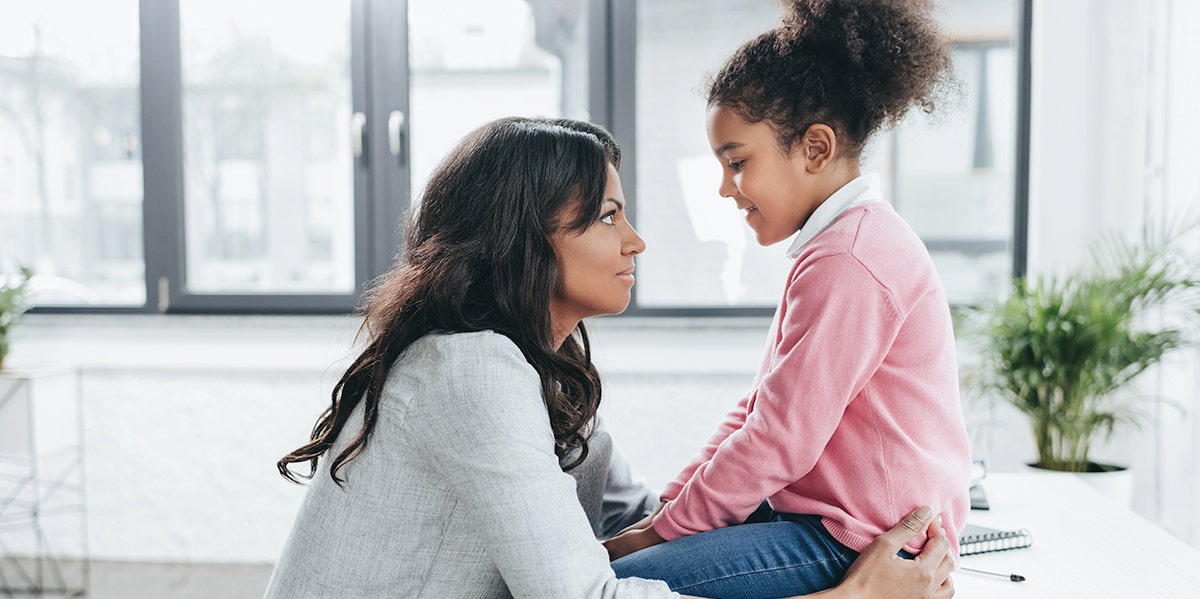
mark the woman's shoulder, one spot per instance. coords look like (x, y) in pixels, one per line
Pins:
(467, 346)
(442, 376)
(483, 354)
(486, 341)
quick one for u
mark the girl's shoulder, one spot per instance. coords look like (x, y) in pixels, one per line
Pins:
(867, 229)
(882, 231)
(859, 228)
(875, 242)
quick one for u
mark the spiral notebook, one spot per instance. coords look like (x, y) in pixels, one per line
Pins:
(981, 539)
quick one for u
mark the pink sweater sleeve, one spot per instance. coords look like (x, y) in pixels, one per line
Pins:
(835, 327)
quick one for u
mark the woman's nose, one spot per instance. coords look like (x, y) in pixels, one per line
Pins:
(633, 243)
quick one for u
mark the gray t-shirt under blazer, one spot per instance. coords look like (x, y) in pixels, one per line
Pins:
(458, 493)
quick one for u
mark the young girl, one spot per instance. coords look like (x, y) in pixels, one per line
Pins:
(854, 416)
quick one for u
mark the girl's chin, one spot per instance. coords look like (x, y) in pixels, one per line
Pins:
(766, 239)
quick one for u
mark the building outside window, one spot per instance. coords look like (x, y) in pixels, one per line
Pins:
(70, 149)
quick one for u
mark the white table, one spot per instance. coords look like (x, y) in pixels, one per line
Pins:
(1084, 545)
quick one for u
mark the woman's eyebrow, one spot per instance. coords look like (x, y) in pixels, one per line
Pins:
(619, 203)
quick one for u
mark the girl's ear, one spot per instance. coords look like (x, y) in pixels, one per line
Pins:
(818, 147)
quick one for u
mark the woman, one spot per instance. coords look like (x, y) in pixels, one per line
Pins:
(449, 435)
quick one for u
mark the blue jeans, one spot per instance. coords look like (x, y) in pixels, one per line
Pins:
(772, 555)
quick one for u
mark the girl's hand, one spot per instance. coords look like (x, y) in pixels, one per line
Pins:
(632, 540)
(644, 522)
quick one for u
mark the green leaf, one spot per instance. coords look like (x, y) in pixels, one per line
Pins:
(1064, 350)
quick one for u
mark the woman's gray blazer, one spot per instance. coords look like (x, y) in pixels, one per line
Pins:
(458, 493)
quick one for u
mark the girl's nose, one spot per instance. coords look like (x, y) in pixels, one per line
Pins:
(727, 188)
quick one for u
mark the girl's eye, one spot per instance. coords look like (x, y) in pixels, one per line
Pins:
(608, 217)
(736, 166)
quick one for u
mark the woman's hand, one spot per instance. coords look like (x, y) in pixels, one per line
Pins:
(879, 572)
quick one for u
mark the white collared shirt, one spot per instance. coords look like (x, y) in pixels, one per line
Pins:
(860, 190)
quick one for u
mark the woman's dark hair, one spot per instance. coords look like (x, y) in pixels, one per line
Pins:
(477, 257)
(854, 65)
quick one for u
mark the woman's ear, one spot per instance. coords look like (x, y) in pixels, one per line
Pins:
(818, 147)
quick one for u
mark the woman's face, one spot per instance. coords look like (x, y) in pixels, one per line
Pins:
(595, 265)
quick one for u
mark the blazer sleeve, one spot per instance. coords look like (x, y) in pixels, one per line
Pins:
(838, 324)
(487, 429)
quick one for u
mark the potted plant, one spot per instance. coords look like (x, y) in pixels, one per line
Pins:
(1063, 350)
(14, 289)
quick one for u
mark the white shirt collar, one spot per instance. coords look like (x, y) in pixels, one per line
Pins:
(861, 190)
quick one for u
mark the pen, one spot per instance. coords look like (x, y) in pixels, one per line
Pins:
(1012, 577)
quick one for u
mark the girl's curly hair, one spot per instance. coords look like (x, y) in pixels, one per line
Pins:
(854, 65)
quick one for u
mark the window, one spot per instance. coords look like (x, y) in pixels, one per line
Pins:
(268, 171)
(219, 156)
(699, 251)
(953, 178)
(479, 60)
(70, 149)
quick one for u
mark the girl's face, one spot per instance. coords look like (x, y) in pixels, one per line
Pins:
(595, 265)
(775, 191)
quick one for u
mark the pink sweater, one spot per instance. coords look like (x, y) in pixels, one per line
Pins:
(854, 414)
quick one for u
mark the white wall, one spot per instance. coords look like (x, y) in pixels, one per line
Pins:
(185, 416)
(1116, 145)
(183, 420)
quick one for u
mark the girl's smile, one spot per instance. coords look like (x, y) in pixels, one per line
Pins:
(776, 191)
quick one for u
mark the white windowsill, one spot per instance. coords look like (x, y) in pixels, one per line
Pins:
(104, 342)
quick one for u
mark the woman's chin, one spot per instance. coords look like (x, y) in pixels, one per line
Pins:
(617, 308)
(615, 311)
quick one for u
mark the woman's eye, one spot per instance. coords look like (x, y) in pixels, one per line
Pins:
(736, 166)
(608, 217)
